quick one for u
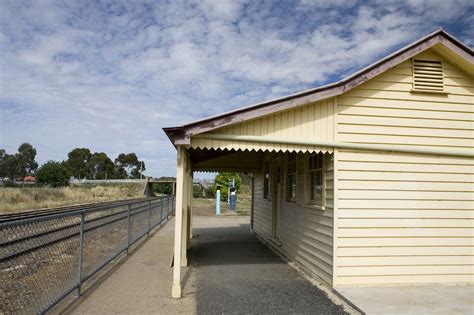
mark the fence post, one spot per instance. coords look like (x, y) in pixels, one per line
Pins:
(161, 209)
(129, 234)
(149, 217)
(81, 254)
(170, 206)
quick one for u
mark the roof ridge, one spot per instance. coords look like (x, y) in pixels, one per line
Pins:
(170, 131)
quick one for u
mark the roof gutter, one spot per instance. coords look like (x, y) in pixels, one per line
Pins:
(341, 145)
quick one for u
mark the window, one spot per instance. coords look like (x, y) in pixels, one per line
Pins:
(266, 180)
(291, 178)
(428, 75)
(316, 178)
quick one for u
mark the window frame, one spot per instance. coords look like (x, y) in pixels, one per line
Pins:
(294, 173)
(319, 202)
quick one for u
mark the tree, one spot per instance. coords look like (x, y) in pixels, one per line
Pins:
(165, 188)
(8, 165)
(130, 164)
(120, 172)
(52, 173)
(20, 164)
(100, 166)
(138, 170)
(26, 160)
(3, 172)
(77, 162)
(223, 179)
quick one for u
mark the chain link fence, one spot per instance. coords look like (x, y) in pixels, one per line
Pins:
(45, 258)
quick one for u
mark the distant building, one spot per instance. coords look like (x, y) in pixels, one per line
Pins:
(30, 179)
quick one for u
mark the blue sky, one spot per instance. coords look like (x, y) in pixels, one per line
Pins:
(108, 75)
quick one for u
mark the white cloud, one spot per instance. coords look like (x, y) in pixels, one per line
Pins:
(109, 77)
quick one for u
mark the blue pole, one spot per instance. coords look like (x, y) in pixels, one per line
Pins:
(218, 202)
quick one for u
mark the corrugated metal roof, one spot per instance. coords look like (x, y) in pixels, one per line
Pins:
(182, 134)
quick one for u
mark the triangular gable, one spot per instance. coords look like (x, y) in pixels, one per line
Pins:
(442, 42)
(315, 121)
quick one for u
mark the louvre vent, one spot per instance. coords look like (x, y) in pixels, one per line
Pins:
(428, 75)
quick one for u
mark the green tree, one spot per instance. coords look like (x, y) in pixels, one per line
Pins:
(52, 173)
(138, 170)
(197, 190)
(165, 188)
(8, 165)
(20, 164)
(223, 179)
(77, 162)
(26, 160)
(130, 163)
(120, 172)
(3, 172)
(100, 166)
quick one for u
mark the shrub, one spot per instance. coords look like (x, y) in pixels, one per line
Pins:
(197, 191)
(223, 179)
(52, 173)
(9, 183)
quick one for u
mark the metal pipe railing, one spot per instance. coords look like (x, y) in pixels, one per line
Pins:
(47, 257)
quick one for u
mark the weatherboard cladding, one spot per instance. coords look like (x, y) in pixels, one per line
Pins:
(313, 121)
(401, 217)
(396, 217)
(306, 233)
(406, 218)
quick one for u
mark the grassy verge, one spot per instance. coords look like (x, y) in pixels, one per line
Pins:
(29, 198)
(205, 207)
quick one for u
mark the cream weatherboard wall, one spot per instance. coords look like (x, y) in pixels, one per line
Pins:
(305, 232)
(405, 218)
(262, 209)
(313, 121)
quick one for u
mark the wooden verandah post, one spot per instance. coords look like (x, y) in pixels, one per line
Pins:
(181, 234)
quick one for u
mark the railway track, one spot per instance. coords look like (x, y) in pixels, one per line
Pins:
(52, 235)
(47, 254)
(90, 206)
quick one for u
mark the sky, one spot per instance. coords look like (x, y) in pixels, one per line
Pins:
(108, 75)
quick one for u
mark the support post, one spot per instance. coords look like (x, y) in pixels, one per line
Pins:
(180, 174)
(188, 217)
(184, 231)
(191, 208)
(81, 254)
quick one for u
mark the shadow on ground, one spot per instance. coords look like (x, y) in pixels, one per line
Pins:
(237, 274)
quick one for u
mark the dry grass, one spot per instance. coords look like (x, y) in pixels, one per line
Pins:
(22, 199)
(207, 206)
